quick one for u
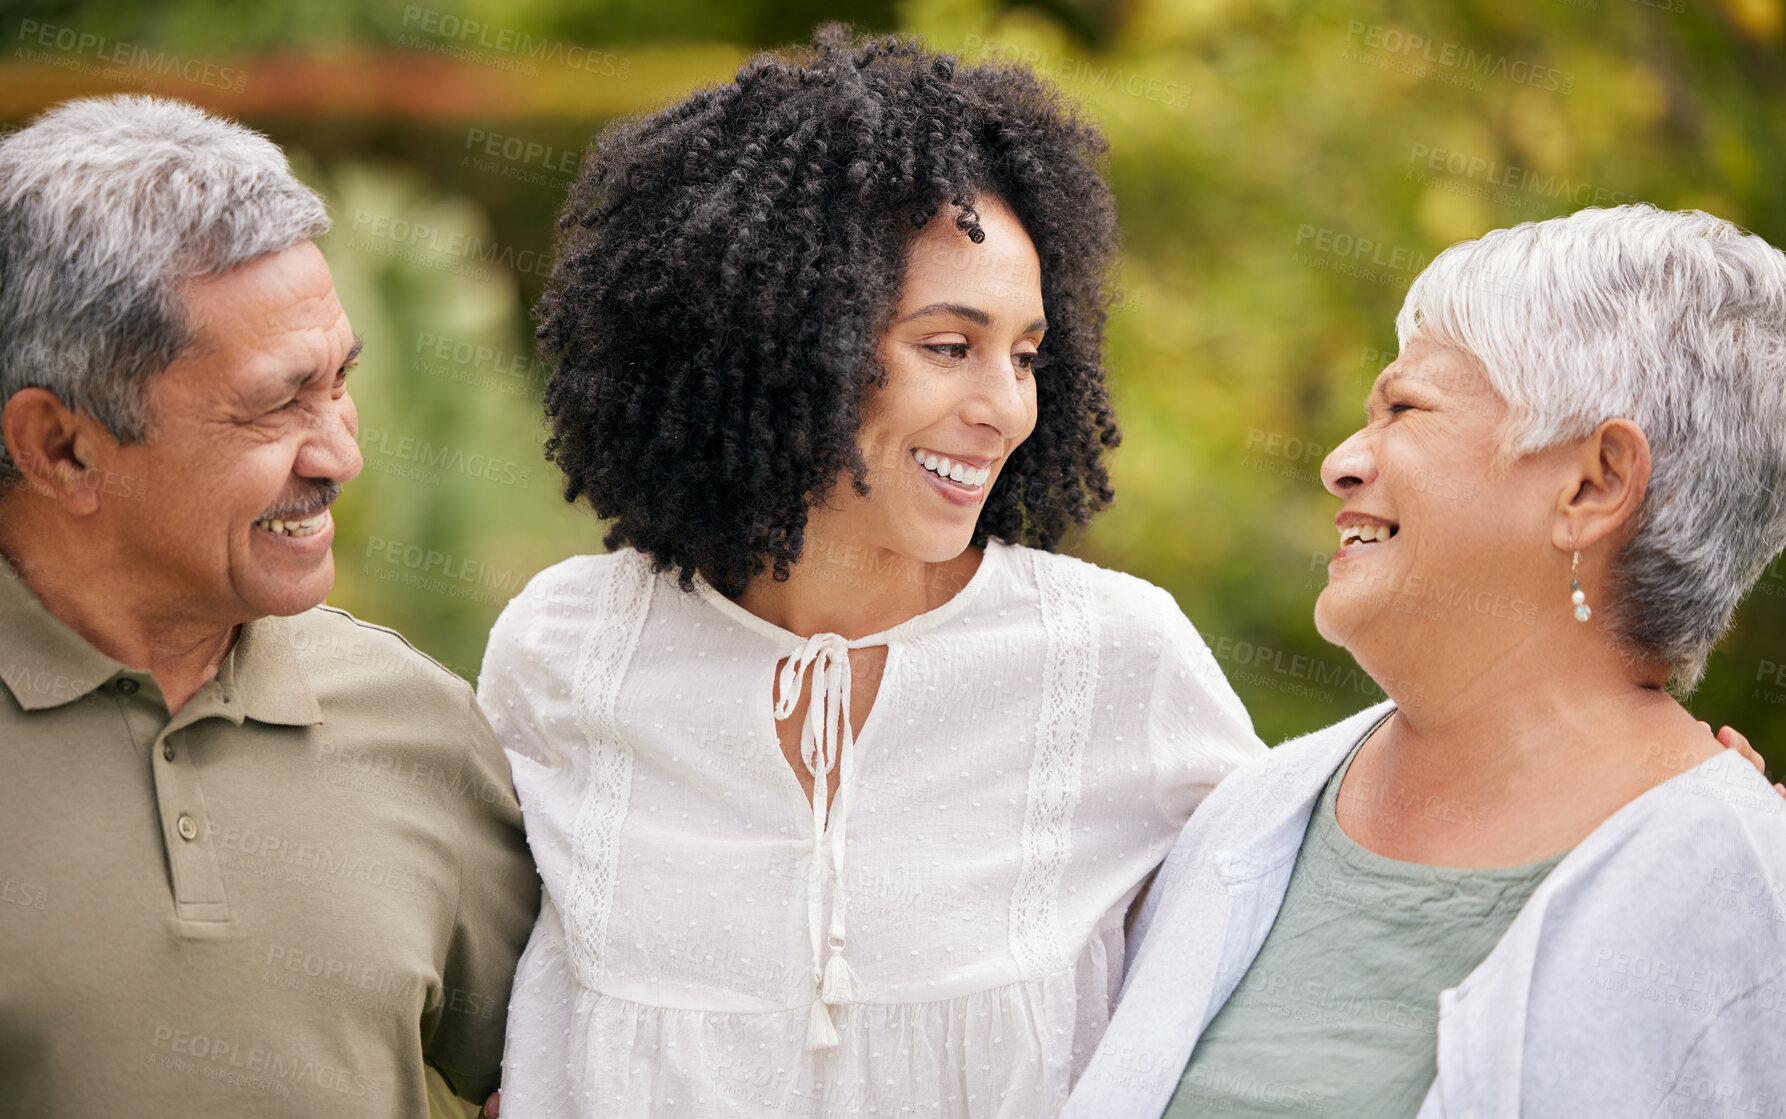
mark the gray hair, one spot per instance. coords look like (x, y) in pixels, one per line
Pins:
(106, 205)
(1676, 321)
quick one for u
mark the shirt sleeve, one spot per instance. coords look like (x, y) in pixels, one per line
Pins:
(462, 1032)
(524, 683)
(1198, 731)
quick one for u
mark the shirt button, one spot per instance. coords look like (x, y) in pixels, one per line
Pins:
(127, 686)
(167, 750)
(188, 829)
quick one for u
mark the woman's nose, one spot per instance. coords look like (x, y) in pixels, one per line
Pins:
(1000, 398)
(1349, 465)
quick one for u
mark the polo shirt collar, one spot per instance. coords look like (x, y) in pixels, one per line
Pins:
(263, 674)
(44, 663)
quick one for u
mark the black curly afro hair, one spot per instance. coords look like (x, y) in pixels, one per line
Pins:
(728, 267)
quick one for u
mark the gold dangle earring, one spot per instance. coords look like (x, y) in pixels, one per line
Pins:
(1576, 595)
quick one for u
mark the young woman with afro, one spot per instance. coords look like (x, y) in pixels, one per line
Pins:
(840, 779)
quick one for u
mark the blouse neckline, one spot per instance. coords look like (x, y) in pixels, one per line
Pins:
(995, 553)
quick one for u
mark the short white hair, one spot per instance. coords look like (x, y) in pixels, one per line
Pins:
(106, 205)
(1674, 320)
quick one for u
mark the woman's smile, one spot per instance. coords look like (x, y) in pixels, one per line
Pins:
(1359, 532)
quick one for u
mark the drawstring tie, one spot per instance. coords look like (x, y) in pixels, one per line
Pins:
(826, 743)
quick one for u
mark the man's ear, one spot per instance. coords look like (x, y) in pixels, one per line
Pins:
(1605, 492)
(44, 437)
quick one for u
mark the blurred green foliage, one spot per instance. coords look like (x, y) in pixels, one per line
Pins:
(1254, 148)
(1244, 135)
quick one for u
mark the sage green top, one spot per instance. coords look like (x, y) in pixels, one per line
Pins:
(1338, 1014)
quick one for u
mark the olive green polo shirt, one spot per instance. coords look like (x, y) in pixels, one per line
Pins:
(280, 902)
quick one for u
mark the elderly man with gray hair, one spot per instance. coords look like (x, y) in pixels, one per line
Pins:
(1530, 883)
(259, 858)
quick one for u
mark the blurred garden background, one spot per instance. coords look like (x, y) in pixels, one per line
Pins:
(1283, 169)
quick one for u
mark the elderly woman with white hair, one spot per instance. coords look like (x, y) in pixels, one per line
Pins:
(1530, 883)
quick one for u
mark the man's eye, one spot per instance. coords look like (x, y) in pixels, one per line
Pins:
(1398, 409)
(952, 350)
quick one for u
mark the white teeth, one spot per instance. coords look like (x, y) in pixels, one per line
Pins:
(945, 467)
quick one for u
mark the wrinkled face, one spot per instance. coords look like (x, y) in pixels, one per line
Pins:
(1436, 545)
(961, 390)
(251, 435)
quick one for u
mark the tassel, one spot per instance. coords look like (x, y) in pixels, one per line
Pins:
(840, 982)
(820, 1033)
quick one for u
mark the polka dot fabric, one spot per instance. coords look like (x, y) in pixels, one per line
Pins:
(1033, 749)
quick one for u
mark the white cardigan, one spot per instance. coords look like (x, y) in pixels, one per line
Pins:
(1034, 747)
(1645, 977)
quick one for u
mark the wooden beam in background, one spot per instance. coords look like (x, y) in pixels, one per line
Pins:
(418, 84)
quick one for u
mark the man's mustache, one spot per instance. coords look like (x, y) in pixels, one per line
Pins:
(320, 497)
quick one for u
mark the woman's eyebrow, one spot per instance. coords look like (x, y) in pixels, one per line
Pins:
(971, 314)
(1381, 387)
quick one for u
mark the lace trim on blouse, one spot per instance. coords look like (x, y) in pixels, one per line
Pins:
(1069, 673)
(601, 667)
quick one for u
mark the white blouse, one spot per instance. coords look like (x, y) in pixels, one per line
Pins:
(948, 943)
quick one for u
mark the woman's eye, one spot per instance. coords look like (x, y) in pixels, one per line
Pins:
(1398, 409)
(1025, 362)
(954, 351)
